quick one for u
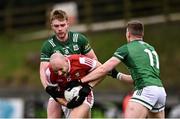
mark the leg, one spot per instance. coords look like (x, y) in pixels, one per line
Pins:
(158, 109)
(160, 115)
(83, 111)
(53, 109)
(135, 110)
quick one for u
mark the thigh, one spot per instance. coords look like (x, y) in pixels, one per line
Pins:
(160, 104)
(83, 111)
(135, 110)
(160, 114)
(53, 109)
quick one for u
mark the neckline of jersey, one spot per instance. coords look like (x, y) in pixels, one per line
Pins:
(65, 42)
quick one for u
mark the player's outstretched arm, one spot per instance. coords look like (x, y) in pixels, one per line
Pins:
(121, 76)
(125, 78)
(42, 71)
(95, 82)
(98, 74)
(101, 71)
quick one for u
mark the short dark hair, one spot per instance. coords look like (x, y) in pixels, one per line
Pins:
(58, 14)
(135, 28)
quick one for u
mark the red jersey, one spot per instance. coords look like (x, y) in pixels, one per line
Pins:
(79, 66)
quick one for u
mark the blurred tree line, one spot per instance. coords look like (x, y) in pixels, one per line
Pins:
(33, 13)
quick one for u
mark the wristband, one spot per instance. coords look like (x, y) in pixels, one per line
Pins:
(119, 76)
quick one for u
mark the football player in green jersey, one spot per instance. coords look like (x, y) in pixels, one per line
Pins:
(65, 42)
(149, 97)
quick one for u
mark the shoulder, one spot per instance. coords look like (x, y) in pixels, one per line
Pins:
(123, 47)
(73, 56)
(50, 42)
(78, 57)
(83, 60)
(121, 52)
(76, 36)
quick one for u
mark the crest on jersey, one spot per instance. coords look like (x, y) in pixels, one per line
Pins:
(57, 51)
(77, 74)
(75, 47)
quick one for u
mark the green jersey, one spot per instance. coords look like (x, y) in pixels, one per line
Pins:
(142, 62)
(76, 44)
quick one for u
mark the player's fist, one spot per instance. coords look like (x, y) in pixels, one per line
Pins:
(54, 91)
(85, 90)
(113, 73)
(75, 102)
(72, 84)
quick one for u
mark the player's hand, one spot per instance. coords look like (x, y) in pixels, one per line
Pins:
(113, 73)
(85, 90)
(72, 84)
(54, 91)
(78, 100)
(75, 102)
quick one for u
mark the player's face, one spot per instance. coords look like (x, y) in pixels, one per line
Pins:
(61, 72)
(60, 28)
(61, 68)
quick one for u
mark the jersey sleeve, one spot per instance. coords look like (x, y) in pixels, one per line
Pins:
(88, 62)
(46, 51)
(84, 44)
(121, 52)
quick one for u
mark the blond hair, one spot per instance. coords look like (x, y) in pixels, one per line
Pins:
(59, 15)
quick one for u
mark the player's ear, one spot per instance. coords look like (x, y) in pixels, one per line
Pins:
(142, 34)
(67, 63)
(127, 34)
(51, 25)
(68, 23)
(66, 59)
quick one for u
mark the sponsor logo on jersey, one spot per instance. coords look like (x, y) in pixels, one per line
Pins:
(59, 80)
(66, 51)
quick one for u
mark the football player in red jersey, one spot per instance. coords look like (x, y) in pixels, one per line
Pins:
(66, 72)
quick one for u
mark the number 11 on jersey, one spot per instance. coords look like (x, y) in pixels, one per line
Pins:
(152, 54)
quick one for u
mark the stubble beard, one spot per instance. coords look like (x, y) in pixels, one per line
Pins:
(62, 37)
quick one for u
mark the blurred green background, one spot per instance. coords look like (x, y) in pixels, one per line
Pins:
(24, 27)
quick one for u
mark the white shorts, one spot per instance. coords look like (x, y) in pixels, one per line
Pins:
(89, 101)
(152, 97)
